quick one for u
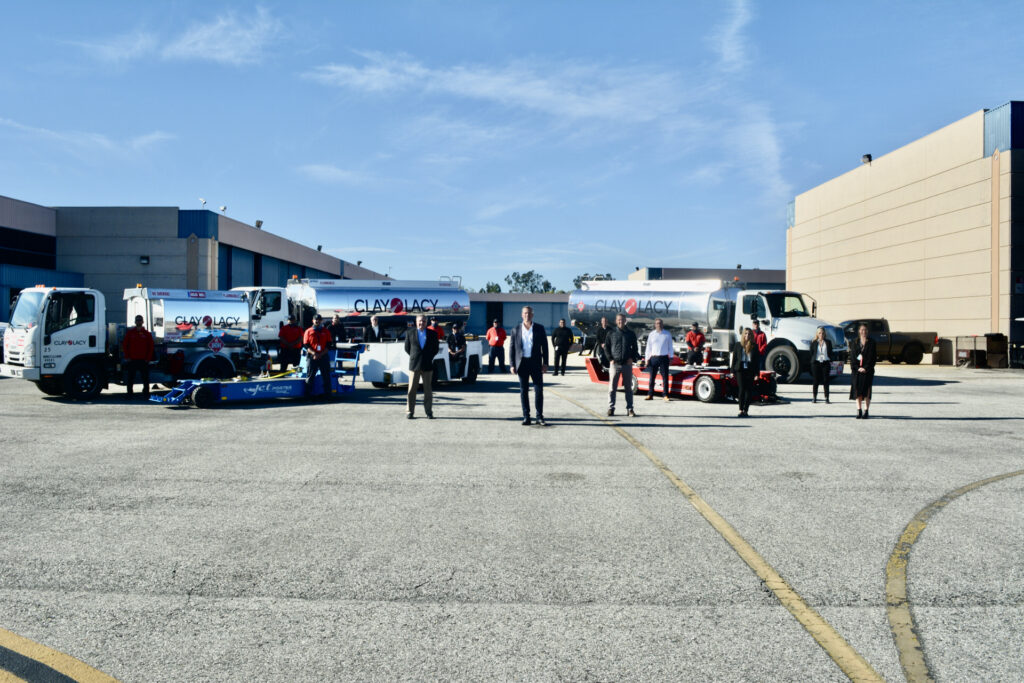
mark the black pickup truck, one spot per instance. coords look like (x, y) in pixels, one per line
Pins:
(896, 347)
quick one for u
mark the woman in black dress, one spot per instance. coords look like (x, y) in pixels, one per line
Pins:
(821, 362)
(862, 370)
(745, 363)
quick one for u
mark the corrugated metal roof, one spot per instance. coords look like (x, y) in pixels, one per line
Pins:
(1004, 127)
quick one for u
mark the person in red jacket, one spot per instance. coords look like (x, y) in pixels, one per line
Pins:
(137, 347)
(290, 343)
(760, 338)
(318, 342)
(496, 341)
(695, 342)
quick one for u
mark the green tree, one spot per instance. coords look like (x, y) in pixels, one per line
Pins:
(587, 276)
(491, 288)
(529, 282)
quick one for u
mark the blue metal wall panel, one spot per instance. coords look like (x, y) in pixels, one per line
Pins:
(201, 222)
(241, 268)
(15, 278)
(223, 266)
(1004, 127)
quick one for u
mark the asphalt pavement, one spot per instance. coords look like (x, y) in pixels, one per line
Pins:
(288, 541)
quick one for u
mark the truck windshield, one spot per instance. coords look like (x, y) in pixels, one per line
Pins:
(786, 305)
(26, 310)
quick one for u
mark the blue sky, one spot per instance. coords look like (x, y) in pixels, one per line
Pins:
(479, 138)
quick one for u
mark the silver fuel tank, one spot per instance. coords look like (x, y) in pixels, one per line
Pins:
(678, 303)
(392, 301)
(191, 317)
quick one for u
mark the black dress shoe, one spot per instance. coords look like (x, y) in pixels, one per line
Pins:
(526, 421)
(408, 416)
(430, 416)
(541, 422)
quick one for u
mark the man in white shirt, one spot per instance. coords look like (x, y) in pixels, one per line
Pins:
(658, 354)
(528, 356)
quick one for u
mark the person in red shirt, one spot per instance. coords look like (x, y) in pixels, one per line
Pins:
(695, 341)
(318, 342)
(290, 343)
(137, 347)
(437, 329)
(496, 340)
(760, 338)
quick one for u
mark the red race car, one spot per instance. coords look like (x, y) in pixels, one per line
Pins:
(707, 384)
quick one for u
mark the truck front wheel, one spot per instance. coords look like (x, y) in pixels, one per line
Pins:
(913, 354)
(783, 362)
(83, 381)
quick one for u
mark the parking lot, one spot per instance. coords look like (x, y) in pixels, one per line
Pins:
(306, 542)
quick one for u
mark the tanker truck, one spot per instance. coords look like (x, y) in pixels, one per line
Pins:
(722, 309)
(60, 339)
(396, 303)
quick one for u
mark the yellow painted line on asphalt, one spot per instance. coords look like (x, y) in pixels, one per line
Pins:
(842, 653)
(901, 621)
(67, 665)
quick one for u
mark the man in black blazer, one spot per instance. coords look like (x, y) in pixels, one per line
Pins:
(528, 358)
(421, 344)
(374, 333)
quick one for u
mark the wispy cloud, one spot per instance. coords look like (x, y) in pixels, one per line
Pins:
(123, 48)
(729, 40)
(499, 208)
(333, 175)
(79, 141)
(482, 230)
(230, 38)
(569, 90)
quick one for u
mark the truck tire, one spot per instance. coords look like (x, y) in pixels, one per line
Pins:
(51, 386)
(202, 397)
(215, 368)
(913, 354)
(83, 381)
(705, 389)
(473, 371)
(783, 362)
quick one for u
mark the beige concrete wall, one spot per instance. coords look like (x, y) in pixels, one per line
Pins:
(909, 237)
(104, 244)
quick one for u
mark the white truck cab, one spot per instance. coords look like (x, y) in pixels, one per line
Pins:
(57, 338)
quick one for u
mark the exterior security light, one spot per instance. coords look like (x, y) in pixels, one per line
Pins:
(866, 159)
(144, 260)
(259, 224)
(319, 247)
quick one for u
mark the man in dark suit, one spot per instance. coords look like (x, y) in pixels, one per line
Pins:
(374, 333)
(528, 358)
(422, 345)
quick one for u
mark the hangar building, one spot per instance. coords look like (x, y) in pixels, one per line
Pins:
(929, 236)
(113, 248)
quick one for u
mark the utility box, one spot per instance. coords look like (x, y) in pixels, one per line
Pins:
(982, 351)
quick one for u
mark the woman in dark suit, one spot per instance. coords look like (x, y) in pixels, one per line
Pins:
(745, 363)
(862, 370)
(821, 362)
